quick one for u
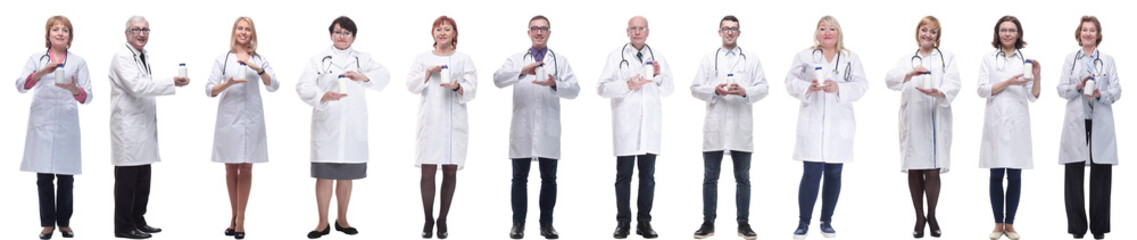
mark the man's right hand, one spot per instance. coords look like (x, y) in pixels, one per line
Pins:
(332, 96)
(181, 81)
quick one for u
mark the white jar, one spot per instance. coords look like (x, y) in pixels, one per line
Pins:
(539, 73)
(183, 71)
(342, 84)
(927, 78)
(819, 74)
(60, 75)
(241, 72)
(730, 79)
(649, 71)
(444, 74)
(1028, 70)
(1091, 85)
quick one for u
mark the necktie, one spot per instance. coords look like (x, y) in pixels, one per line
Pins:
(640, 56)
(143, 57)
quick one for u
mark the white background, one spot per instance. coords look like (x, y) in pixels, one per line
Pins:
(189, 199)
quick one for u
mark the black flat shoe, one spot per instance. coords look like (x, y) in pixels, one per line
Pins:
(133, 234)
(149, 229)
(622, 230)
(427, 229)
(315, 234)
(239, 235)
(644, 229)
(442, 234)
(348, 230)
(517, 231)
(549, 232)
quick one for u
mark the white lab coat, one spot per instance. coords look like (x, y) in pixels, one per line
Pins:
(637, 116)
(443, 127)
(339, 128)
(1103, 138)
(1006, 125)
(134, 113)
(925, 121)
(239, 135)
(53, 140)
(535, 131)
(729, 123)
(826, 122)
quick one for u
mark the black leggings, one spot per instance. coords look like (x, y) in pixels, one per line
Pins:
(55, 204)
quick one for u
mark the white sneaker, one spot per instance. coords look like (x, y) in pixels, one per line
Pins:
(995, 235)
(799, 237)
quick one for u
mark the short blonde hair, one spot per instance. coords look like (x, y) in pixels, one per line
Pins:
(51, 22)
(840, 36)
(933, 23)
(252, 47)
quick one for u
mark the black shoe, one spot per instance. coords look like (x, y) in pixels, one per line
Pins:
(746, 232)
(67, 234)
(1099, 235)
(427, 229)
(918, 231)
(442, 234)
(935, 225)
(315, 234)
(148, 229)
(644, 229)
(239, 235)
(133, 234)
(348, 230)
(230, 231)
(622, 230)
(518, 231)
(1079, 236)
(46, 235)
(705, 230)
(548, 232)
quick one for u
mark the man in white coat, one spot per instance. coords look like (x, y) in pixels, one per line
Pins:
(134, 129)
(540, 78)
(636, 121)
(730, 80)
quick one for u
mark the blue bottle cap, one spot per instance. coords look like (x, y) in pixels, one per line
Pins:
(729, 74)
(817, 68)
(927, 73)
(242, 64)
(59, 66)
(1028, 61)
(342, 76)
(649, 63)
(445, 67)
(1091, 78)
(182, 64)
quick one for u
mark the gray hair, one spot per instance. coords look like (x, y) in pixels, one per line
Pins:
(135, 19)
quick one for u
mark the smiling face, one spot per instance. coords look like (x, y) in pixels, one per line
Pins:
(637, 31)
(443, 34)
(342, 38)
(138, 34)
(729, 32)
(827, 34)
(1088, 34)
(1008, 34)
(928, 37)
(243, 33)
(59, 35)
(539, 33)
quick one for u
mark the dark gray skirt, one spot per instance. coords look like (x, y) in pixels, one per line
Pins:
(339, 171)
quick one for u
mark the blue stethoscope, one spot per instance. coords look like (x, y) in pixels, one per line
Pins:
(818, 54)
(551, 53)
(740, 54)
(624, 61)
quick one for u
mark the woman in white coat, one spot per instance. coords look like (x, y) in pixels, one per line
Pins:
(1006, 144)
(1089, 112)
(51, 149)
(334, 83)
(827, 78)
(928, 81)
(447, 81)
(239, 139)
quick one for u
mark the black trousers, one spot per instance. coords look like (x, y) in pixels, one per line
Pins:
(55, 204)
(1101, 178)
(131, 194)
(624, 167)
(519, 190)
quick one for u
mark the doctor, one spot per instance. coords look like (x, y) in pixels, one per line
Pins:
(339, 119)
(636, 121)
(134, 129)
(239, 139)
(535, 132)
(826, 122)
(443, 130)
(52, 149)
(730, 80)
(1089, 112)
(925, 118)
(1006, 145)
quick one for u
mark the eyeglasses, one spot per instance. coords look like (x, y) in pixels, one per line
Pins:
(637, 29)
(342, 33)
(139, 30)
(539, 29)
(729, 29)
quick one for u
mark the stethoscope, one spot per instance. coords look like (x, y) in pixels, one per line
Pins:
(1098, 64)
(1003, 64)
(551, 53)
(66, 56)
(225, 65)
(624, 61)
(137, 60)
(327, 66)
(741, 55)
(918, 61)
(818, 54)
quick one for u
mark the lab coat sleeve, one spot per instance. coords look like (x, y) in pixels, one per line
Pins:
(1068, 81)
(1114, 90)
(415, 82)
(83, 81)
(468, 81)
(508, 74)
(134, 83)
(29, 69)
(758, 88)
(984, 82)
(664, 79)
(894, 79)
(950, 85)
(797, 82)
(274, 83)
(377, 74)
(307, 88)
(567, 85)
(611, 85)
(853, 90)
(216, 76)
(703, 86)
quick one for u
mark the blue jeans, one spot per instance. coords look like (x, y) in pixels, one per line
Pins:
(1014, 188)
(807, 192)
(624, 167)
(712, 165)
(520, 192)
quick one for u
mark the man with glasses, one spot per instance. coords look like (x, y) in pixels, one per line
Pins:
(636, 121)
(134, 129)
(730, 80)
(540, 78)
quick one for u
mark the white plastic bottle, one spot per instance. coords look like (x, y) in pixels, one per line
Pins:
(819, 74)
(182, 70)
(1028, 70)
(649, 71)
(242, 72)
(540, 73)
(444, 74)
(1091, 85)
(342, 84)
(927, 80)
(730, 78)
(60, 77)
